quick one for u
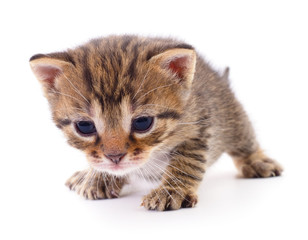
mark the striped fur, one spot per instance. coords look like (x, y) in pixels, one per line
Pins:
(113, 80)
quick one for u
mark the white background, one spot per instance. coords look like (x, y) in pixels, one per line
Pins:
(265, 45)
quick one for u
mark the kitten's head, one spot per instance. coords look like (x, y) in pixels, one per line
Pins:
(118, 98)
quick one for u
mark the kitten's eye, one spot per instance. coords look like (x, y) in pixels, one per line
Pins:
(142, 124)
(85, 127)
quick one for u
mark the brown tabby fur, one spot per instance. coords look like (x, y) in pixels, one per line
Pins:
(115, 79)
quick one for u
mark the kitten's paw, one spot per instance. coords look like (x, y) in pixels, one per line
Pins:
(94, 186)
(261, 168)
(163, 199)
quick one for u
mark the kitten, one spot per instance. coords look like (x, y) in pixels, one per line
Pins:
(150, 107)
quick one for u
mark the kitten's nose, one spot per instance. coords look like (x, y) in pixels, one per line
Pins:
(116, 158)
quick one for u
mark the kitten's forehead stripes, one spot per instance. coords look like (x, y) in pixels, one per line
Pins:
(87, 73)
(117, 60)
(132, 66)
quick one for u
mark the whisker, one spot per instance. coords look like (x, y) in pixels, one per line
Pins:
(162, 186)
(178, 168)
(152, 176)
(106, 185)
(75, 89)
(153, 189)
(145, 76)
(66, 95)
(165, 179)
(168, 85)
(166, 172)
(169, 174)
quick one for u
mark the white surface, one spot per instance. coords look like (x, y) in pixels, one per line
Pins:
(265, 45)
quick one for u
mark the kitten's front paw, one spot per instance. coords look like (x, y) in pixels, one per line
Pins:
(162, 199)
(261, 168)
(94, 185)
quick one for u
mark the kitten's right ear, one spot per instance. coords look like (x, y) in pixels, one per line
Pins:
(47, 69)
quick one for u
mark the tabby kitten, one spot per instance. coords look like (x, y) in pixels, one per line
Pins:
(150, 107)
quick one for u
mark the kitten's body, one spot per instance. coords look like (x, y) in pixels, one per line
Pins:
(114, 82)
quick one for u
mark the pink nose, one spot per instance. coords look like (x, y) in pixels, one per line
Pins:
(115, 158)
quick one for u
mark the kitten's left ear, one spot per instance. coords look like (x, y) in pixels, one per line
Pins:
(178, 62)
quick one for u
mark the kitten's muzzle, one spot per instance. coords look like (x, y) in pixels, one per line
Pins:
(115, 158)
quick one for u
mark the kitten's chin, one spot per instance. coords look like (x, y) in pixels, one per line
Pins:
(119, 169)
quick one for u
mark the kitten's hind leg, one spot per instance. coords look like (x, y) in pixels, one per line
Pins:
(246, 153)
(93, 185)
(257, 165)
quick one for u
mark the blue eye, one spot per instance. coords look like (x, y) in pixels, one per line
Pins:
(142, 124)
(85, 127)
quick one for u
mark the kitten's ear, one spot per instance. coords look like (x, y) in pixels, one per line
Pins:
(179, 62)
(47, 69)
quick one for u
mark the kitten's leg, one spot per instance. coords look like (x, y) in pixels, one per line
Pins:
(256, 165)
(94, 185)
(180, 180)
(246, 153)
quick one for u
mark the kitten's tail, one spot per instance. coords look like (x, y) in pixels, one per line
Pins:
(225, 75)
